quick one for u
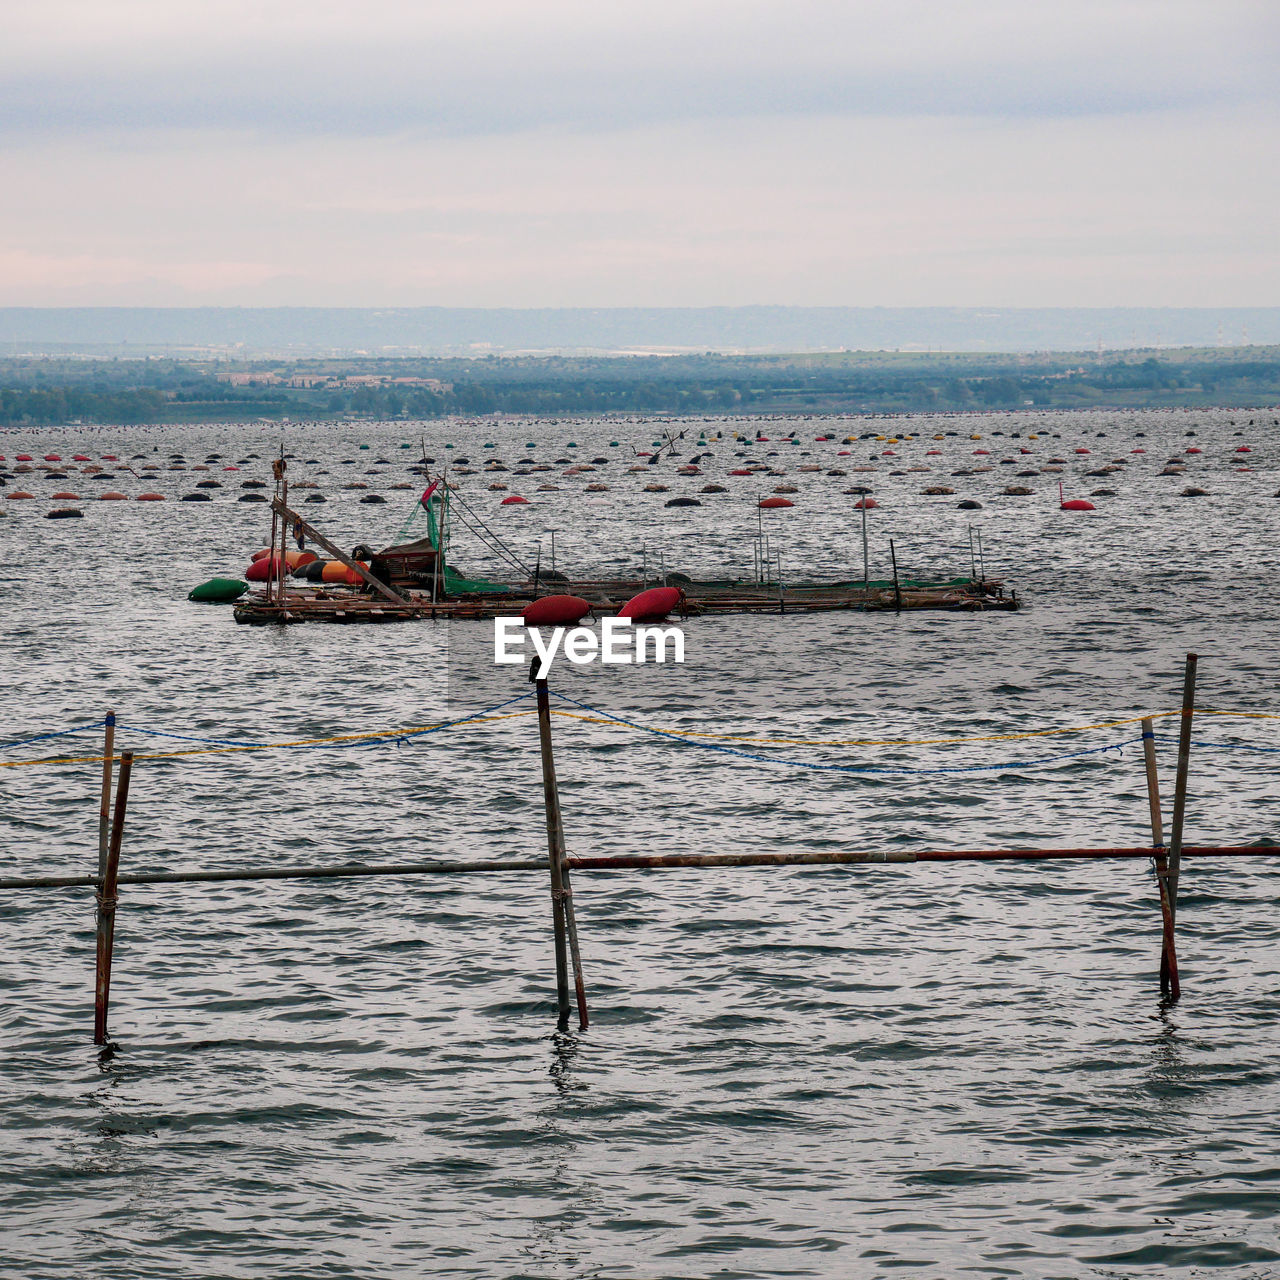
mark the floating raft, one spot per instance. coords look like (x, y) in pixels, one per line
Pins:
(350, 604)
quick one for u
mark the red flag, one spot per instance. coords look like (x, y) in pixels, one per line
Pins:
(431, 488)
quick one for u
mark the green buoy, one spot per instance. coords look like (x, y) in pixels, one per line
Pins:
(218, 591)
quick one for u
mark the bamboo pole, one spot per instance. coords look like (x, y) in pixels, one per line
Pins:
(897, 593)
(107, 906)
(636, 862)
(1168, 952)
(104, 808)
(1180, 782)
(282, 493)
(866, 567)
(562, 916)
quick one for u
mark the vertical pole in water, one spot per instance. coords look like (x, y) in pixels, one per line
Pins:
(973, 563)
(1168, 953)
(897, 594)
(1180, 782)
(275, 516)
(866, 562)
(104, 808)
(562, 915)
(982, 564)
(782, 602)
(107, 905)
(282, 492)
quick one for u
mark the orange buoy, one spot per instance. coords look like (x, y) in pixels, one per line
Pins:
(151, 497)
(772, 503)
(865, 504)
(556, 611)
(112, 496)
(654, 604)
(336, 571)
(1082, 450)
(64, 497)
(258, 555)
(21, 494)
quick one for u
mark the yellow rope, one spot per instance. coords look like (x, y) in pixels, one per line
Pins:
(265, 746)
(673, 733)
(870, 742)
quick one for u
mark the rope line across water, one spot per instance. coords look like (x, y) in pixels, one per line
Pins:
(213, 746)
(841, 768)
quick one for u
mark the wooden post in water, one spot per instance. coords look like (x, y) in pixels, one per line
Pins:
(104, 808)
(1180, 782)
(563, 919)
(897, 594)
(1168, 952)
(107, 905)
(282, 493)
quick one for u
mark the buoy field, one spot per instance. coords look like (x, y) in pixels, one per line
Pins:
(840, 947)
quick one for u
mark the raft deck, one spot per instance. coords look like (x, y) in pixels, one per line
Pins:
(341, 604)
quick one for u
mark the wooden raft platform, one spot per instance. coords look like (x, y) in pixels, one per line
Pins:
(340, 604)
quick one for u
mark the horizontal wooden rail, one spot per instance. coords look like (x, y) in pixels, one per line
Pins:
(637, 862)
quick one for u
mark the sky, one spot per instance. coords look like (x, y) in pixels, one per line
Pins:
(665, 153)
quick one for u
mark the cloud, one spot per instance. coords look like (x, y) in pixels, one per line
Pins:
(822, 211)
(496, 66)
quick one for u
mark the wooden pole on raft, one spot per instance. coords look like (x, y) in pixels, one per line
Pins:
(897, 594)
(104, 808)
(282, 492)
(563, 920)
(866, 567)
(1180, 782)
(107, 905)
(1168, 953)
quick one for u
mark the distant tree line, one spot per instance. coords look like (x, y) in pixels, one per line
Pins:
(54, 391)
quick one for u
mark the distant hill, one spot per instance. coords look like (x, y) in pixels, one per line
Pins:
(340, 331)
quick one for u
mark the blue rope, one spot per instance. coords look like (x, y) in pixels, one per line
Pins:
(1230, 746)
(843, 768)
(400, 737)
(61, 733)
(185, 737)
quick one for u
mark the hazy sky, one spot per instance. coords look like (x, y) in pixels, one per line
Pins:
(670, 152)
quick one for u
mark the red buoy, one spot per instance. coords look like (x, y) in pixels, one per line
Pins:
(770, 503)
(513, 501)
(1082, 450)
(556, 611)
(1193, 449)
(653, 605)
(1244, 448)
(865, 504)
(1074, 504)
(53, 457)
(741, 471)
(263, 570)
